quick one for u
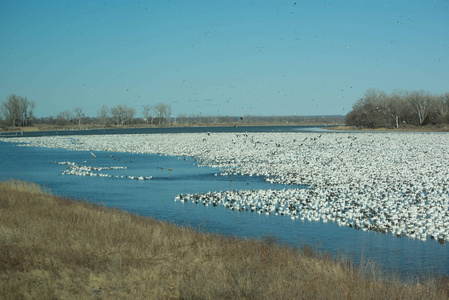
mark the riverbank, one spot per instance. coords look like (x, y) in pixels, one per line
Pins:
(52, 247)
(338, 127)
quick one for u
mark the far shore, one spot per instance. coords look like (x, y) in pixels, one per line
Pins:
(42, 128)
(339, 127)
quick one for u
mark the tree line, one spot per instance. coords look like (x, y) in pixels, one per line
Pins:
(117, 115)
(379, 109)
(376, 109)
(18, 112)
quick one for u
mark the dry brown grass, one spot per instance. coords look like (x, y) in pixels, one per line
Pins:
(54, 248)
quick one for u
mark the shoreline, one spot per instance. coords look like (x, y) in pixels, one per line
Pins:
(329, 127)
(39, 128)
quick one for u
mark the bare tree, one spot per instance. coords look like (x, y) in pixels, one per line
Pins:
(370, 111)
(6, 114)
(31, 115)
(395, 105)
(122, 114)
(442, 108)
(147, 113)
(17, 110)
(23, 109)
(78, 111)
(420, 103)
(64, 117)
(117, 114)
(102, 115)
(129, 114)
(378, 109)
(161, 112)
(168, 115)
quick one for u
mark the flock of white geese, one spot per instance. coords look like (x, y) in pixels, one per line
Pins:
(394, 183)
(76, 169)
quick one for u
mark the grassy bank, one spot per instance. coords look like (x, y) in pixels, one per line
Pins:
(52, 247)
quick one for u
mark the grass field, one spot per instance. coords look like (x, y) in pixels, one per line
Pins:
(55, 248)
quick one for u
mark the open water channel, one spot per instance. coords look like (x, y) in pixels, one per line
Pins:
(172, 176)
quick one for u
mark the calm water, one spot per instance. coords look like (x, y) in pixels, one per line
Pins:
(155, 198)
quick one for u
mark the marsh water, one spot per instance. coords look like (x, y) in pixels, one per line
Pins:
(175, 175)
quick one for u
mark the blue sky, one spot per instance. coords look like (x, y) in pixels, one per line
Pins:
(220, 57)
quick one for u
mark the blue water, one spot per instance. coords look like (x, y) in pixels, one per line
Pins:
(155, 198)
